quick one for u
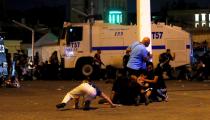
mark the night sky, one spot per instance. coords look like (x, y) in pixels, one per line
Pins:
(52, 11)
(155, 4)
(28, 4)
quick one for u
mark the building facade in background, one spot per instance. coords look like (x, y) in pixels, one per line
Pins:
(197, 22)
(110, 11)
(115, 11)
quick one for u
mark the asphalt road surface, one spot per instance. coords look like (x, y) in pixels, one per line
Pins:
(36, 100)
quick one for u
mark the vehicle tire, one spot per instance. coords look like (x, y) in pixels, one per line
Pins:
(87, 69)
(84, 68)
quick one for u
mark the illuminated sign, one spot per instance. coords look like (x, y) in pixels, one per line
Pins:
(115, 17)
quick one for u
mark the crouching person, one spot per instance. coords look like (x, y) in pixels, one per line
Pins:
(156, 81)
(89, 91)
(153, 84)
(144, 88)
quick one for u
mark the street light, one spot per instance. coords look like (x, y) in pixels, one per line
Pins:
(32, 36)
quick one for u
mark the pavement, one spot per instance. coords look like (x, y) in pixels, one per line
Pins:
(36, 100)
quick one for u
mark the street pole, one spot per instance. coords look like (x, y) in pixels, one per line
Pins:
(32, 46)
(92, 11)
(32, 37)
(144, 21)
(91, 20)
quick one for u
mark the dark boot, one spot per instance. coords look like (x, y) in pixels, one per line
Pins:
(147, 100)
(86, 105)
(61, 105)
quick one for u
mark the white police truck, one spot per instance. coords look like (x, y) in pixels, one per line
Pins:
(78, 44)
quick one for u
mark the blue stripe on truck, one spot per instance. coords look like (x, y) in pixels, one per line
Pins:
(154, 47)
(158, 47)
(110, 48)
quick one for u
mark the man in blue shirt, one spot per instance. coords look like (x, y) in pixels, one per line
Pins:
(139, 56)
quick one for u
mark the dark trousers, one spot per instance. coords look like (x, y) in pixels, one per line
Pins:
(134, 87)
(135, 72)
(98, 73)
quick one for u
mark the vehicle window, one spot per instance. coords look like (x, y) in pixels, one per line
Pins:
(74, 34)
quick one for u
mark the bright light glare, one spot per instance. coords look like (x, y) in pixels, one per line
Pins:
(203, 16)
(197, 17)
(209, 17)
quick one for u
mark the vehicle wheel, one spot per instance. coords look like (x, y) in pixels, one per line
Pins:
(87, 69)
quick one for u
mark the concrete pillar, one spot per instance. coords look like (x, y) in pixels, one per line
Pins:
(144, 20)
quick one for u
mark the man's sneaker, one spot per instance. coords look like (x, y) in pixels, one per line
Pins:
(61, 105)
(86, 105)
(147, 101)
(76, 106)
(137, 100)
(166, 98)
